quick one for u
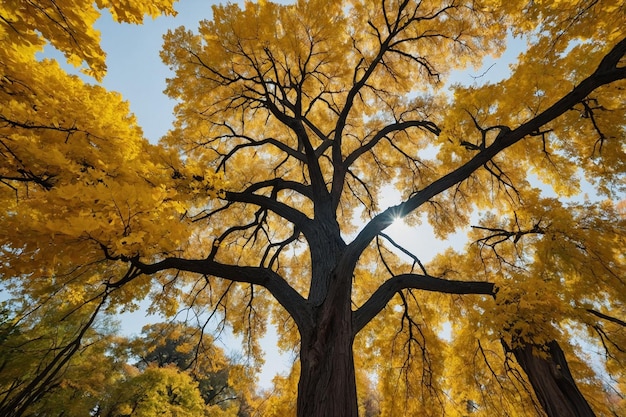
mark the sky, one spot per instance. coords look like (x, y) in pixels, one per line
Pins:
(135, 68)
(136, 71)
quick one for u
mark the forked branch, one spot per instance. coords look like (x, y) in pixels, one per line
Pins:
(286, 295)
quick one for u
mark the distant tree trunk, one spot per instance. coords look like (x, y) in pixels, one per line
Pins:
(552, 382)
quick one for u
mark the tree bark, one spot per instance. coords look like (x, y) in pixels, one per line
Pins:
(327, 385)
(552, 381)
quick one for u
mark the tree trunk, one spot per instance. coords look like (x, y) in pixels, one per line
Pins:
(552, 382)
(327, 384)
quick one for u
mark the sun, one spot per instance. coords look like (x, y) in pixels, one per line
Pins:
(397, 222)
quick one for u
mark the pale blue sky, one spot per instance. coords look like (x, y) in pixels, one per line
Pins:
(135, 68)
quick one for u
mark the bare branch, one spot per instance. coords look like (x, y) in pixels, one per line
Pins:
(406, 252)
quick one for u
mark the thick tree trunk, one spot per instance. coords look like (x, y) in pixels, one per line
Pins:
(552, 382)
(327, 384)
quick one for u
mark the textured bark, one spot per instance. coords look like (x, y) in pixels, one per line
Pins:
(552, 382)
(327, 384)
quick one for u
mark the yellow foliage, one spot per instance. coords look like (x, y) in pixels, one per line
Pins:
(165, 391)
(292, 121)
(68, 26)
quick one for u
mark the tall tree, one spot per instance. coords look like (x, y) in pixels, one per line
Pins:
(308, 112)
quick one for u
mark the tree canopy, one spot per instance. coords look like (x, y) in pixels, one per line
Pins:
(46, 373)
(265, 200)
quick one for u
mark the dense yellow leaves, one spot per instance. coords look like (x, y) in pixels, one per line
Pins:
(562, 50)
(557, 264)
(82, 154)
(246, 65)
(67, 25)
(158, 391)
(78, 183)
(292, 122)
(75, 172)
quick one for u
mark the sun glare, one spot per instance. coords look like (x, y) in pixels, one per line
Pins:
(397, 221)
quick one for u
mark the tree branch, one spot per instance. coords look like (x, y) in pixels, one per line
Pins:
(296, 217)
(254, 143)
(286, 295)
(389, 288)
(280, 184)
(395, 127)
(607, 317)
(607, 72)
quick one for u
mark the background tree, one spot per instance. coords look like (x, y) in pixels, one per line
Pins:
(310, 112)
(222, 382)
(53, 363)
(179, 374)
(156, 391)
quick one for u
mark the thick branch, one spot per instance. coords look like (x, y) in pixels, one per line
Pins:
(607, 317)
(401, 22)
(280, 184)
(289, 213)
(288, 297)
(389, 288)
(46, 181)
(267, 141)
(296, 124)
(608, 71)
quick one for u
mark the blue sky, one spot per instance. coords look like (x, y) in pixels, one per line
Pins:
(135, 68)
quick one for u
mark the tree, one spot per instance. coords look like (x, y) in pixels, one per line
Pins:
(157, 391)
(308, 112)
(223, 384)
(183, 377)
(62, 142)
(53, 364)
